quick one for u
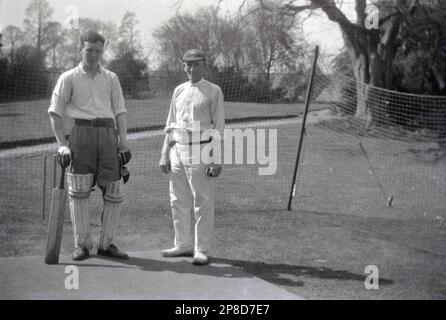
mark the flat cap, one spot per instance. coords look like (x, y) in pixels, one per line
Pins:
(193, 55)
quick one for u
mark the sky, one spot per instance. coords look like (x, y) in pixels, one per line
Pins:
(152, 13)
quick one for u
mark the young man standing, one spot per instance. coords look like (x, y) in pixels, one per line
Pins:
(197, 105)
(97, 147)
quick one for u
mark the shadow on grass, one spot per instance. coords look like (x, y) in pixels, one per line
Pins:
(177, 265)
(279, 274)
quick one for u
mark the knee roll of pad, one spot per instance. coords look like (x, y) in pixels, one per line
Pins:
(79, 185)
(113, 192)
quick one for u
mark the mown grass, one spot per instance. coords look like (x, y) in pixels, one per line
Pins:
(29, 119)
(340, 222)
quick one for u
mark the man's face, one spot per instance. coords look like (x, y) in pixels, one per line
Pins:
(92, 53)
(194, 69)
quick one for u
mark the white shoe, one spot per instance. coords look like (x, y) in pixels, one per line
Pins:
(200, 258)
(177, 252)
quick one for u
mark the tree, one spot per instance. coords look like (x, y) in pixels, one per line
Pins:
(262, 37)
(131, 73)
(129, 36)
(273, 42)
(4, 77)
(231, 37)
(37, 20)
(420, 62)
(12, 38)
(372, 51)
(185, 31)
(56, 38)
(28, 76)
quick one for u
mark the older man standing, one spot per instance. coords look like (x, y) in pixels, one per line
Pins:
(196, 105)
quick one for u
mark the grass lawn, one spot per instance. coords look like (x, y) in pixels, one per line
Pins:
(339, 225)
(29, 119)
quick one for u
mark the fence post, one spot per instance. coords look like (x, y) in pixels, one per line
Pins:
(54, 170)
(44, 187)
(302, 131)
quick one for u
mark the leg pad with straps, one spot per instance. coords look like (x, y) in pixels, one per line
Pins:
(79, 189)
(113, 198)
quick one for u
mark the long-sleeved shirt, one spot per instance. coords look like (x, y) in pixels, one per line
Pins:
(78, 96)
(194, 103)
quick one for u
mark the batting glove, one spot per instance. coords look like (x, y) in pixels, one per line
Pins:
(64, 156)
(125, 174)
(124, 157)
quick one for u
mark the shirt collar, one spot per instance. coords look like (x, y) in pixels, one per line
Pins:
(196, 83)
(81, 68)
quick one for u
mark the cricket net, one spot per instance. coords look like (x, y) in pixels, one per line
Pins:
(348, 165)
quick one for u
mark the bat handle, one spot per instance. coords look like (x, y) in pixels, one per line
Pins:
(62, 178)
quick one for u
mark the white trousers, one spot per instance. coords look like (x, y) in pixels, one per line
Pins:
(191, 191)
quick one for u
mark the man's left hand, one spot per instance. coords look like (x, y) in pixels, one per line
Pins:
(213, 170)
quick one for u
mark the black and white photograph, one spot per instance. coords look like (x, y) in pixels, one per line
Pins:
(222, 156)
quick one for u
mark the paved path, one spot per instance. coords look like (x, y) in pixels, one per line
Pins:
(144, 276)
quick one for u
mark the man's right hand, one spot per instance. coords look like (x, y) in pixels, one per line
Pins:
(165, 163)
(64, 156)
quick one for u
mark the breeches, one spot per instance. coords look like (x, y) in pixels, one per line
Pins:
(95, 150)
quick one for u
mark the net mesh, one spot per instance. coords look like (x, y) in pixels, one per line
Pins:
(348, 165)
(388, 163)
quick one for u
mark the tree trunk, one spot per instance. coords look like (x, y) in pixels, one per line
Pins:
(39, 35)
(377, 64)
(268, 74)
(371, 51)
(11, 54)
(361, 72)
(359, 56)
(382, 50)
(54, 58)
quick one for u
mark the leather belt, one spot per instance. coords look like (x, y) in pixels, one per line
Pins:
(201, 142)
(171, 143)
(99, 122)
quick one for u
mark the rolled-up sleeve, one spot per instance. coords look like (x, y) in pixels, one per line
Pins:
(61, 95)
(218, 113)
(117, 98)
(171, 118)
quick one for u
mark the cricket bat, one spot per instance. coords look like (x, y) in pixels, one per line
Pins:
(56, 221)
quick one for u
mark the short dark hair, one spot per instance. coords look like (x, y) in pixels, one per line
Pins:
(93, 37)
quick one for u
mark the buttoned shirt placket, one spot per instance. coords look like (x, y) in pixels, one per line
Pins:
(92, 82)
(188, 105)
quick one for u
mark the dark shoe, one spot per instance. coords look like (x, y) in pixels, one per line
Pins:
(113, 252)
(81, 253)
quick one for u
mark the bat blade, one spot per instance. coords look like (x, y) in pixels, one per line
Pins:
(55, 226)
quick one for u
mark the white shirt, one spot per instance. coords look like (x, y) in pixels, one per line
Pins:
(196, 102)
(78, 96)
